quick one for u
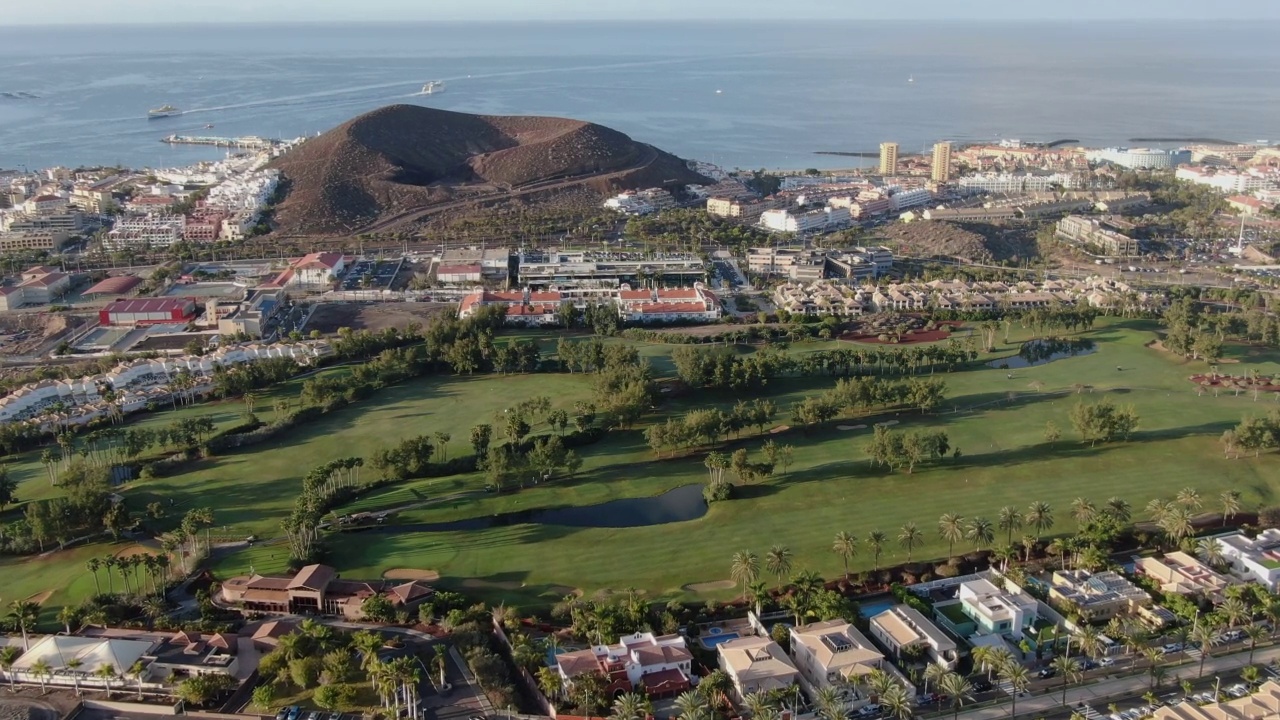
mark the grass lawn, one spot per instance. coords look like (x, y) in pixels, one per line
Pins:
(996, 420)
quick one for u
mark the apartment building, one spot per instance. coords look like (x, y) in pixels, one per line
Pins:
(1097, 233)
(145, 232)
(661, 664)
(941, 171)
(889, 159)
(1256, 559)
(1096, 596)
(813, 221)
(1178, 572)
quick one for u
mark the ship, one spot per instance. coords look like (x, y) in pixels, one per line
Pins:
(163, 111)
(432, 88)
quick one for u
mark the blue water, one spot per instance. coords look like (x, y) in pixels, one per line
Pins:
(711, 641)
(788, 88)
(875, 607)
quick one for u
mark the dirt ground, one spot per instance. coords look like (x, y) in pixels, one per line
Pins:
(329, 317)
(28, 333)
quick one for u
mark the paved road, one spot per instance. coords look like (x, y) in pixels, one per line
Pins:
(1099, 694)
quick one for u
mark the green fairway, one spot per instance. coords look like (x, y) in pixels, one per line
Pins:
(996, 417)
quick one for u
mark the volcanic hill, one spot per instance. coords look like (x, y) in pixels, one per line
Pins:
(401, 162)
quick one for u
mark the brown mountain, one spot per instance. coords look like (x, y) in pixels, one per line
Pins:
(402, 162)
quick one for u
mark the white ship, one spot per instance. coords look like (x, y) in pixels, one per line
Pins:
(432, 88)
(163, 111)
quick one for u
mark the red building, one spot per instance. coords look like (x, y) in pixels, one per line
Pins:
(148, 311)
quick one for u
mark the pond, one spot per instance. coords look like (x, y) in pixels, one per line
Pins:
(678, 505)
(1039, 352)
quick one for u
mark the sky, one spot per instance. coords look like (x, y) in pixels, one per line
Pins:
(82, 12)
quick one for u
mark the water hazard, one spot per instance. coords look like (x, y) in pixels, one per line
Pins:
(1039, 352)
(678, 505)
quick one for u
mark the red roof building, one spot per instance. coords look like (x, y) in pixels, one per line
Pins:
(119, 285)
(148, 311)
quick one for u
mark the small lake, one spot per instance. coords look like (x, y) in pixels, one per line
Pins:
(678, 505)
(1039, 352)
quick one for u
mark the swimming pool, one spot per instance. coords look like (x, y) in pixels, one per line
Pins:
(712, 640)
(875, 607)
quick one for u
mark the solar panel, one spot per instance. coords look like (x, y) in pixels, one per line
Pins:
(837, 642)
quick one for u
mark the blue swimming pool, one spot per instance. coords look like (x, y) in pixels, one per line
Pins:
(711, 641)
(872, 608)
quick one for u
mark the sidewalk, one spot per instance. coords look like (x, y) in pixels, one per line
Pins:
(1100, 693)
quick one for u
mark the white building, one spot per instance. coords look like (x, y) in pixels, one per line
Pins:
(824, 220)
(909, 198)
(902, 627)
(995, 611)
(1018, 183)
(146, 231)
(1255, 559)
(834, 654)
(316, 269)
(1140, 158)
(640, 655)
(1226, 180)
(756, 664)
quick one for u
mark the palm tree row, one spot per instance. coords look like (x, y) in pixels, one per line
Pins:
(154, 566)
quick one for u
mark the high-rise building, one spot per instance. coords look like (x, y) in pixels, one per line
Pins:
(942, 162)
(889, 158)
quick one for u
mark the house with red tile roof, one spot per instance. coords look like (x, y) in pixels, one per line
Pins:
(318, 590)
(661, 664)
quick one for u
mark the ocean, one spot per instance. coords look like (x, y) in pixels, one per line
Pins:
(747, 95)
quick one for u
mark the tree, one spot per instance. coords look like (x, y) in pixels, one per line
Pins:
(23, 615)
(8, 488)
(1009, 520)
(875, 543)
(1016, 675)
(745, 568)
(74, 664)
(778, 561)
(630, 706)
(263, 695)
(829, 702)
(106, 672)
(958, 688)
(334, 697)
(910, 538)
(1189, 498)
(1103, 421)
(1040, 517)
(846, 546)
(898, 703)
(980, 532)
(8, 656)
(1083, 510)
(1069, 670)
(42, 670)
(1229, 499)
(951, 529)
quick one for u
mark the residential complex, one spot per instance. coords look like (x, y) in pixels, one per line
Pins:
(39, 285)
(565, 270)
(1140, 158)
(1229, 180)
(1097, 233)
(641, 202)
(812, 221)
(317, 589)
(756, 664)
(661, 305)
(1254, 559)
(660, 664)
(815, 264)
(1018, 183)
(1178, 572)
(1096, 596)
(902, 628)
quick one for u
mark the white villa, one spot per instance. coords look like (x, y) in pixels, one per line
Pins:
(902, 627)
(834, 654)
(1256, 559)
(756, 664)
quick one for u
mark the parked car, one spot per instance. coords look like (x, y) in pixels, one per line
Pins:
(1087, 664)
(1171, 648)
(869, 710)
(1046, 673)
(283, 714)
(294, 712)
(980, 684)
(1106, 662)
(315, 715)
(1238, 690)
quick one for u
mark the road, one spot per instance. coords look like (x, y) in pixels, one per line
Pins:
(416, 214)
(1099, 694)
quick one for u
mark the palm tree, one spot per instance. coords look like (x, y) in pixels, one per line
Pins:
(367, 644)
(1230, 500)
(846, 546)
(23, 615)
(107, 672)
(932, 674)
(1070, 671)
(1083, 510)
(758, 593)
(951, 529)
(1009, 520)
(956, 687)
(1251, 674)
(74, 665)
(1189, 498)
(1016, 675)
(1176, 523)
(690, 705)
(1210, 551)
(93, 565)
(1204, 634)
(778, 562)
(745, 568)
(137, 671)
(69, 616)
(630, 706)
(42, 670)
(910, 538)
(898, 703)
(8, 656)
(1234, 611)
(1090, 642)
(980, 532)
(1254, 633)
(829, 702)
(715, 687)
(1040, 517)
(875, 542)
(1152, 655)
(1119, 508)
(756, 704)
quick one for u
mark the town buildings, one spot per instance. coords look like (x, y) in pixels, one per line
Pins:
(1018, 183)
(1255, 559)
(889, 159)
(586, 270)
(811, 264)
(1099, 234)
(902, 627)
(145, 232)
(317, 589)
(641, 202)
(1263, 704)
(252, 315)
(812, 221)
(756, 664)
(1140, 158)
(642, 306)
(941, 162)
(820, 297)
(1227, 180)
(39, 285)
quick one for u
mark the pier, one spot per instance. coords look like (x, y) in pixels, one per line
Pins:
(250, 142)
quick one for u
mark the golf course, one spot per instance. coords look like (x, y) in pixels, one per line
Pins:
(995, 416)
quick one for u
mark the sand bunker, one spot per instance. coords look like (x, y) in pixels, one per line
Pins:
(41, 597)
(131, 550)
(780, 428)
(712, 586)
(410, 574)
(888, 422)
(851, 427)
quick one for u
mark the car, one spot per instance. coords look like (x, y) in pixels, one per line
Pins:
(1170, 648)
(314, 715)
(476, 717)
(1046, 673)
(1106, 662)
(334, 716)
(1238, 690)
(869, 710)
(980, 684)
(1087, 664)
(283, 714)
(294, 712)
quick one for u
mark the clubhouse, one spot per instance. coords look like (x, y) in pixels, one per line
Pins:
(317, 590)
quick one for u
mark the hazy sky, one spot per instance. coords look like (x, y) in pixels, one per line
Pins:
(135, 11)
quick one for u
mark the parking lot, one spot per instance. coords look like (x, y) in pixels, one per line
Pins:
(370, 274)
